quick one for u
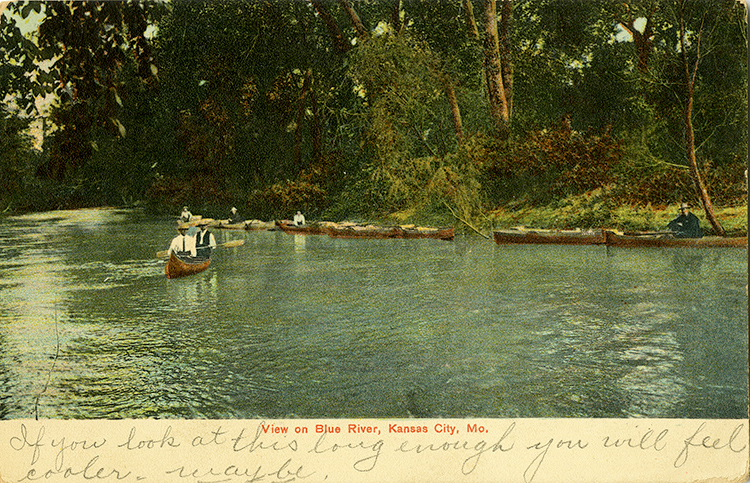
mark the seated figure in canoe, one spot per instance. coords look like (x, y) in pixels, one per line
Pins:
(686, 225)
(183, 245)
(204, 240)
(235, 217)
(299, 218)
(185, 216)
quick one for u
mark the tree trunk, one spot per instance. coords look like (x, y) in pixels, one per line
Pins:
(506, 64)
(358, 26)
(495, 88)
(299, 120)
(333, 28)
(396, 17)
(643, 41)
(700, 187)
(471, 20)
(317, 137)
(450, 92)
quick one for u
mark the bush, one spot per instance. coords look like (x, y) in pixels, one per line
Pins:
(549, 165)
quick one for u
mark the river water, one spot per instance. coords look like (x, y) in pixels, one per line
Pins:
(315, 327)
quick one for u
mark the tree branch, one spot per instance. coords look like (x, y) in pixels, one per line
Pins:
(464, 221)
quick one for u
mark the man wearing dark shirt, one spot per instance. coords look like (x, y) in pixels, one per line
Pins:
(686, 225)
(235, 217)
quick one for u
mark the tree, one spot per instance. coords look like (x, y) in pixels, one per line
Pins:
(88, 44)
(642, 39)
(17, 56)
(16, 161)
(498, 92)
(691, 73)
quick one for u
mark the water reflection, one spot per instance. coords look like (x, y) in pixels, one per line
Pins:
(300, 242)
(688, 261)
(195, 293)
(320, 327)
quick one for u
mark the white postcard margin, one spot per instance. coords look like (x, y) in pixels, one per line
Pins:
(572, 450)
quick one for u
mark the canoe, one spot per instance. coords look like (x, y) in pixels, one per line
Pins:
(247, 225)
(425, 232)
(307, 229)
(551, 237)
(259, 225)
(351, 230)
(363, 231)
(662, 240)
(194, 220)
(355, 230)
(177, 267)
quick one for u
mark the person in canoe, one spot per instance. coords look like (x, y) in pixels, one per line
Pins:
(183, 245)
(686, 225)
(185, 216)
(235, 217)
(204, 240)
(299, 218)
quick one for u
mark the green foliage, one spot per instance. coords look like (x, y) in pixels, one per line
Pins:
(16, 162)
(251, 104)
(200, 193)
(409, 132)
(549, 165)
(282, 200)
(17, 56)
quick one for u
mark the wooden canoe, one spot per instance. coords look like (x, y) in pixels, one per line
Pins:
(251, 225)
(194, 220)
(549, 237)
(363, 231)
(247, 225)
(177, 267)
(307, 229)
(352, 230)
(663, 240)
(426, 232)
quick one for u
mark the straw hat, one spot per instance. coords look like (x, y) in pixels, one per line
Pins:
(182, 226)
(684, 206)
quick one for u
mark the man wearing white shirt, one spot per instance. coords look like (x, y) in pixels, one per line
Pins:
(183, 245)
(299, 219)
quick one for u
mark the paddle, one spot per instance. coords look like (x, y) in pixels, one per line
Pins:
(229, 244)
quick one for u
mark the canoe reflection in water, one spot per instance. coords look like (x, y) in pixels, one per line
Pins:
(687, 261)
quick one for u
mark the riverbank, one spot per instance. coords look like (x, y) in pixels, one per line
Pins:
(591, 210)
(629, 218)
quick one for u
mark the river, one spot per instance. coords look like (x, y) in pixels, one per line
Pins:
(316, 327)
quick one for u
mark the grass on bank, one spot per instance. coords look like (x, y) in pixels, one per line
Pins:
(575, 213)
(590, 210)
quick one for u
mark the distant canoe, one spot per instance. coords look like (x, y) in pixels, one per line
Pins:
(350, 230)
(307, 229)
(194, 220)
(549, 237)
(248, 225)
(662, 240)
(251, 225)
(356, 230)
(426, 232)
(177, 267)
(363, 231)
